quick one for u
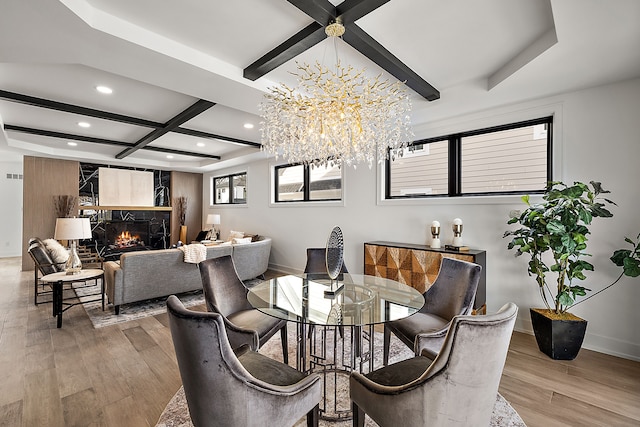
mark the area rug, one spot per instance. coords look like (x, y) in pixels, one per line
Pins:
(133, 311)
(176, 413)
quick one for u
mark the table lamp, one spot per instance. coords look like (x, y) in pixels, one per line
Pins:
(72, 229)
(457, 232)
(435, 234)
(213, 220)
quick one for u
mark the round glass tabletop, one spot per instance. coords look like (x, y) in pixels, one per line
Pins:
(364, 300)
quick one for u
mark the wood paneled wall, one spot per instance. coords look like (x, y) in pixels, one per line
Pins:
(188, 185)
(43, 179)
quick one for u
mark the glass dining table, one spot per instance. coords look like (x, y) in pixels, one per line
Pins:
(335, 331)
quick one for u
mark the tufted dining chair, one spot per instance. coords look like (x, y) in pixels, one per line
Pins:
(451, 294)
(225, 294)
(457, 388)
(231, 388)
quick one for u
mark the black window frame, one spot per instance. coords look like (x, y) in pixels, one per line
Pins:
(455, 161)
(230, 189)
(306, 185)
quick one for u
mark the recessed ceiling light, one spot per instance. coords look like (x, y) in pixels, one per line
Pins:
(84, 124)
(200, 144)
(248, 125)
(169, 156)
(104, 89)
(73, 144)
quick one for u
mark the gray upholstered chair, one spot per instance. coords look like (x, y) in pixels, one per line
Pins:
(241, 388)
(316, 268)
(317, 263)
(451, 294)
(225, 294)
(458, 388)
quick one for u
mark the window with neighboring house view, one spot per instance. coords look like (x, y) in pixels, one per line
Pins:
(230, 189)
(300, 183)
(509, 159)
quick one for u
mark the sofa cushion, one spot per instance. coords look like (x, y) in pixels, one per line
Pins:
(237, 241)
(235, 235)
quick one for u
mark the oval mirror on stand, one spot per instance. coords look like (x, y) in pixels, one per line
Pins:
(334, 260)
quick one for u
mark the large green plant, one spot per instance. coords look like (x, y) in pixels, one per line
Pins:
(558, 226)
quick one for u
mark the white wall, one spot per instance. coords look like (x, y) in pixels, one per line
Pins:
(596, 133)
(11, 212)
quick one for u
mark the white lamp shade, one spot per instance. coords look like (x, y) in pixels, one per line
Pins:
(213, 219)
(72, 229)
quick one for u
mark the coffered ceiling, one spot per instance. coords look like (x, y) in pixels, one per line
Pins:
(176, 67)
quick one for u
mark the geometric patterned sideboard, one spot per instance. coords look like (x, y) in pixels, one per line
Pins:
(418, 265)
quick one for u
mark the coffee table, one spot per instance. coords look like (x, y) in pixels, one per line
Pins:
(59, 279)
(321, 317)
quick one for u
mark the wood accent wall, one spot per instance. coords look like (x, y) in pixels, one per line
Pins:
(190, 186)
(43, 179)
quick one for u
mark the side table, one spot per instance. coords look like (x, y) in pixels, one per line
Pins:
(59, 279)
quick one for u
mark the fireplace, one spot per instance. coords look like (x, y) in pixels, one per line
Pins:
(124, 236)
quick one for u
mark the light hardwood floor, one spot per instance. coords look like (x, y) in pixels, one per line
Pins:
(125, 374)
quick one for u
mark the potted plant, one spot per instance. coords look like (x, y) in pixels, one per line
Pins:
(554, 234)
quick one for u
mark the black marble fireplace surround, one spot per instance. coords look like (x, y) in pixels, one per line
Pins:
(152, 226)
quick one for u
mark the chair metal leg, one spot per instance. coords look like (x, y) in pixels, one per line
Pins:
(313, 416)
(35, 287)
(358, 415)
(285, 346)
(387, 342)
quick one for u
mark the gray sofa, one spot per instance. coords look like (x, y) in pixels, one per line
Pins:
(151, 274)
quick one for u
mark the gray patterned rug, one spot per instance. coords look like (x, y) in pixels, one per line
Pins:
(107, 317)
(176, 413)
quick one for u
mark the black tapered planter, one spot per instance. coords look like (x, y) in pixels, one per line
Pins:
(558, 338)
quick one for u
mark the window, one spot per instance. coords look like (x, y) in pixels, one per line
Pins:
(300, 183)
(509, 159)
(422, 170)
(230, 189)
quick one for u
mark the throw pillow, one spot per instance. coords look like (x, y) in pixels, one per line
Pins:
(242, 241)
(235, 235)
(59, 254)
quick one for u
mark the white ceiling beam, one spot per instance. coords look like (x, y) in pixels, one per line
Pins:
(528, 54)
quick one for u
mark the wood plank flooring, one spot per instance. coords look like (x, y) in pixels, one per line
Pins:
(125, 374)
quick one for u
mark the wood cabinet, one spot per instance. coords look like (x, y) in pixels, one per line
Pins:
(418, 265)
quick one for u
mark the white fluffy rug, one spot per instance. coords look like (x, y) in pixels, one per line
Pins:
(176, 413)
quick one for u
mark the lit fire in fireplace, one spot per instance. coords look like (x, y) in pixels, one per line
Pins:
(126, 240)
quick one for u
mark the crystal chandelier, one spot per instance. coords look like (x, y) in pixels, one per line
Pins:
(336, 116)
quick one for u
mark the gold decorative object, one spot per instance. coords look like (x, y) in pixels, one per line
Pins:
(336, 116)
